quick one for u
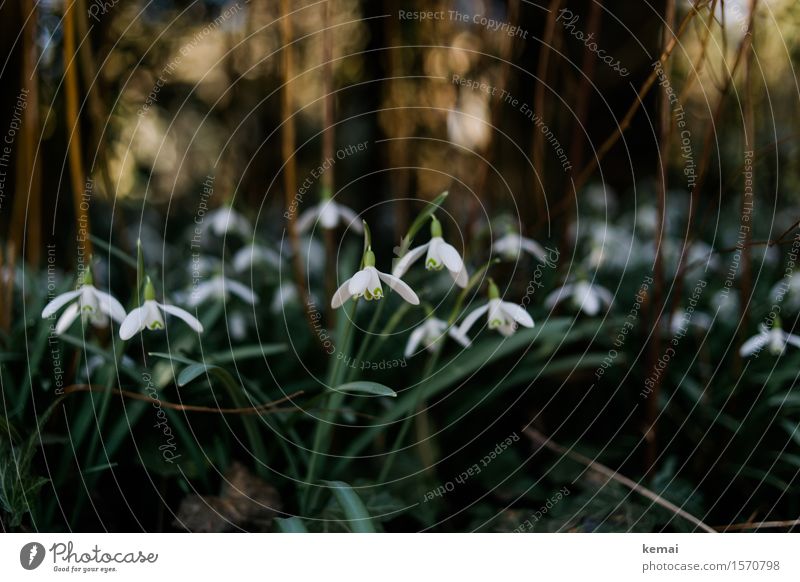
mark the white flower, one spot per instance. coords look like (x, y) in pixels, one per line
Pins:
(429, 333)
(367, 283)
(254, 254)
(221, 288)
(86, 302)
(681, 319)
(329, 214)
(439, 255)
(511, 246)
(586, 296)
(225, 219)
(149, 316)
(775, 338)
(502, 315)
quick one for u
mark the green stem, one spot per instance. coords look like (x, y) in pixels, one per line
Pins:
(331, 403)
(408, 420)
(362, 349)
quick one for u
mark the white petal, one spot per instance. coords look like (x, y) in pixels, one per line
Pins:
(307, 218)
(350, 218)
(461, 277)
(470, 320)
(374, 287)
(456, 333)
(414, 340)
(534, 248)
(59, 302)
(408, 259)
(450, 257)
(790, 338)
(110, 306)
(507, 245)
(558, 296)
(203, 291)
(434, 258)
(241, 291)
(133, 323)
(754, 344)
(328, 215)
(67, 318)
(517, 313)
(342, 294)
(604, 294)
(591, 303)
(401, 287)
(359, 282)
(190, 319)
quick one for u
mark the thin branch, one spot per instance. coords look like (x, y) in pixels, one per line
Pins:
(545, 441)
(758, 525)
(269, 407)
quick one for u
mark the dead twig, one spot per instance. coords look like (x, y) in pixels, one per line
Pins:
(545, 441)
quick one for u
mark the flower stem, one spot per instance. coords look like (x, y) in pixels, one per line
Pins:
(332, 401)
(387, 466)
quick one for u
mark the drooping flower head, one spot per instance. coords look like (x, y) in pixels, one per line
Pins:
(439, 255)
(775, 339)
(150, 315)
(88, 303)
(503, 316)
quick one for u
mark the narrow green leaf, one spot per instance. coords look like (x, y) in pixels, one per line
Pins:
(364, 387)
(291, 525)
(358, 519)
(192, 372)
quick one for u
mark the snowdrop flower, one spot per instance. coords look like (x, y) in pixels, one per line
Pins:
(511, 246)
(775, 338)
(367, 283)
(225, 219)
(149, 315)
(86, 302)
(587, 297)
(254, 254)
(502, 315)
(220, 287)
(429, 333)
(787, 292)
(681, 319)
(439, 255)
(329, 214)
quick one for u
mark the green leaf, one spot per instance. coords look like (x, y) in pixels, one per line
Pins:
(246, 353)
(173, 357)
(192, 372)
(363, 387)
(291, 525)
(358, 519)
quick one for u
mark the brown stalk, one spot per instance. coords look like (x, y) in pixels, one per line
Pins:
(328, 146)
(288, 139)
(269, 407)
(71, 100)
(505, 55)
(759, 525)
(581, 112)
(545, 441)
(26, 214)
(539, 103)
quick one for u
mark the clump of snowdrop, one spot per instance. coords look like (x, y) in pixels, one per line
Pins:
(775, 339)
(439, 255)
(150, 315)
(503, 316)
(583, 295)
(429, 335)
(88, 303)
(512, 245)
(366, 283)
(329, 214)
